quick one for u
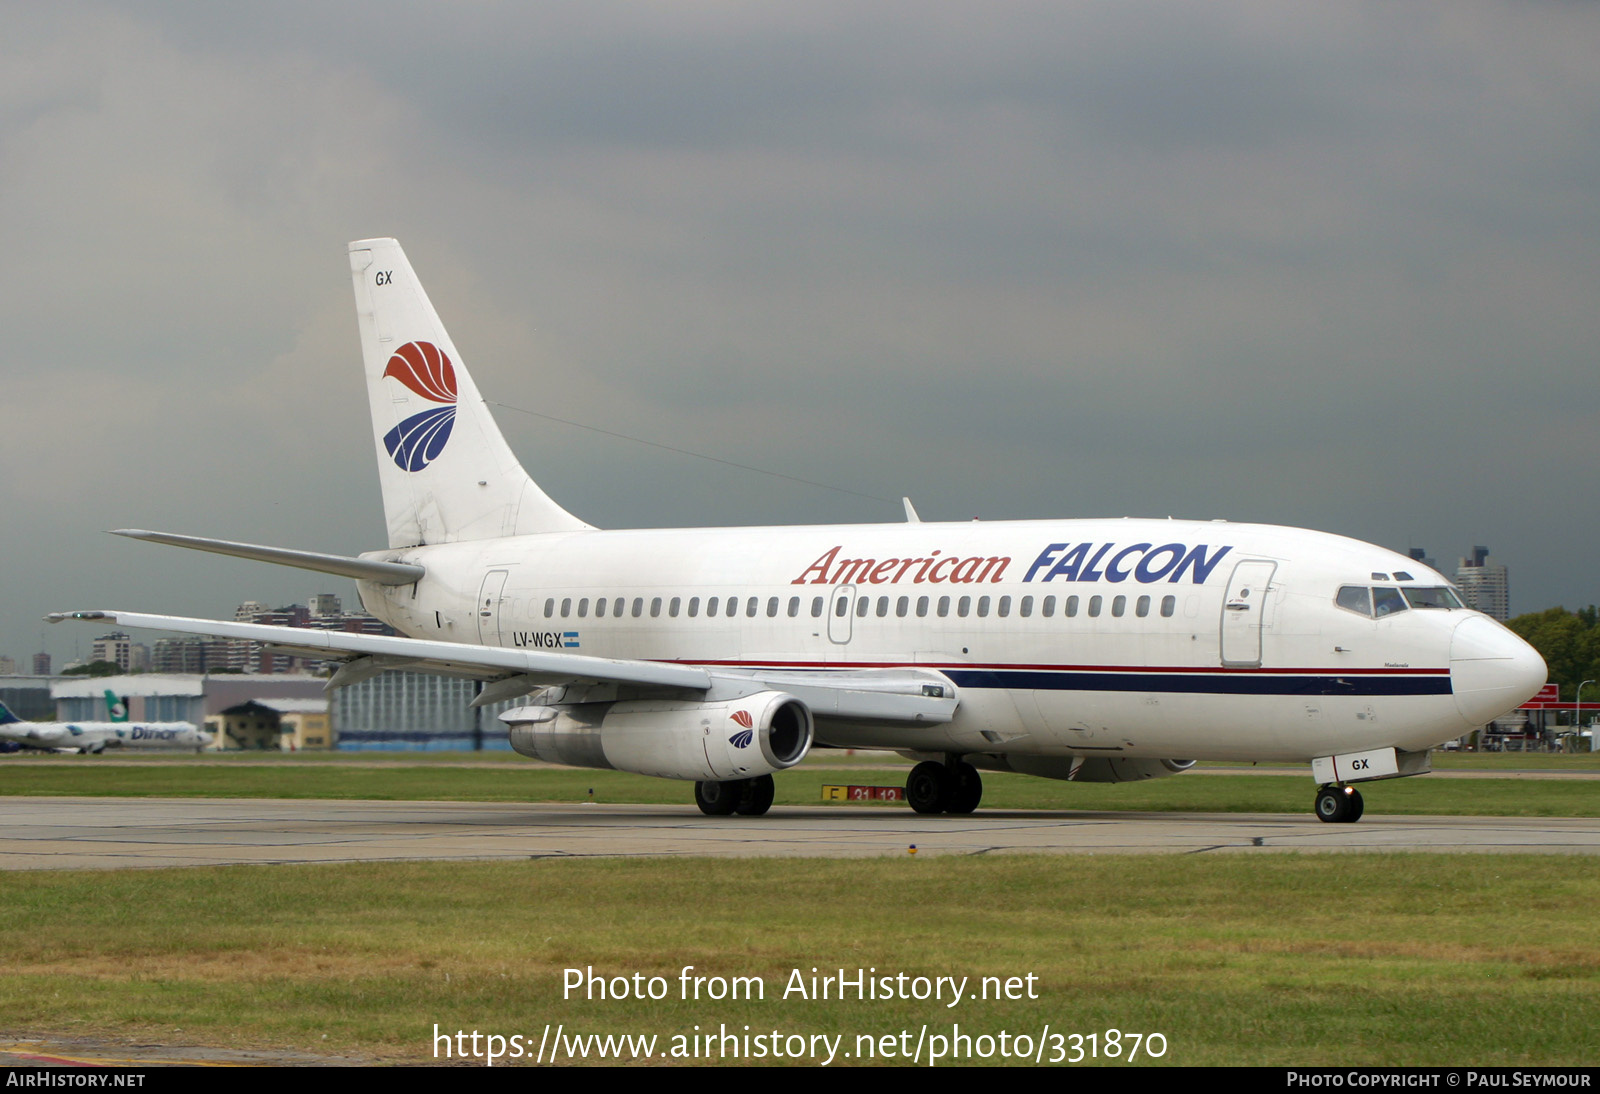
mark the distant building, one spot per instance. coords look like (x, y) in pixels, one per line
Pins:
(279, 725)
(8, 666)
(28, 697)
(1485, 586)
(323, 614)
(116, 648)
(413, 710)
(200, 700)
(323, 604)
(41, 664)
(1420, 554)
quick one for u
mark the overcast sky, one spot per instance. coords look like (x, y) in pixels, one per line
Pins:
(1330, 265)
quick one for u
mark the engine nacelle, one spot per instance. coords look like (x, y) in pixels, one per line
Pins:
(671, 739)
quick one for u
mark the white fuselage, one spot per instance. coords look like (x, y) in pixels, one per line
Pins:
(1138, 638)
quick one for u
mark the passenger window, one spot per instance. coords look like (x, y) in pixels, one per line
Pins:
(549, 608)
(902, 606)
(922, 607)
(816, 607)
(1169, 605)
(1072, 607)
(566, 607)
(963, 606)
(1025, 607)
(733, 607)
(794, 607)
(1355, 598)
(655, 608)
(638, 606)
(711, 606)
(883, 606)
(694, 606)
(600, 608)
(1143, 607)
(1118, 606)
(1387, 601)
(673, 605)
(983, 607)
(1003, 609)
(863, 606)
(583, 608)
(753, 605)
(1047, 607)
(1094, 606)
(944, 606)
(619, 605)
(842, 608)
(772, 607)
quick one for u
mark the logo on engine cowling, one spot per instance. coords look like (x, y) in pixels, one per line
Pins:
(743, 738)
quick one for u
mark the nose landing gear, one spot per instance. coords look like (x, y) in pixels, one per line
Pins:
(1339, 804)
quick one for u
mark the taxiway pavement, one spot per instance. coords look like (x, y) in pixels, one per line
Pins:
(103, 833)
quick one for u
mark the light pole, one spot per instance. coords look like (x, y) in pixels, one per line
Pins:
(1577, 714)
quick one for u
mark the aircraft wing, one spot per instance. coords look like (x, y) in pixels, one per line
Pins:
(918, 696)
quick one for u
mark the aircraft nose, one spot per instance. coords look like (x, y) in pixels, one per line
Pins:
(1492, 671)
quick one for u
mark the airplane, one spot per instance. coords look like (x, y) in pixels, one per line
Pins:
(93, 738)
(1082, 650)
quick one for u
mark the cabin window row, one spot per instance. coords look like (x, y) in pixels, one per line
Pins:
(1002, 607)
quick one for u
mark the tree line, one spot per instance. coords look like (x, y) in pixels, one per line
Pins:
(1569, 642)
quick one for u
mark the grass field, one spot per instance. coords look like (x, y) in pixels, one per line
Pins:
(1290, 791)
(1349, 959)
(1334, 959)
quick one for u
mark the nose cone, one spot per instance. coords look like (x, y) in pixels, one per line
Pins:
(1492, 671)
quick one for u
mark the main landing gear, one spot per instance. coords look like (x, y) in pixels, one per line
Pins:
(746, 797)
(950, 787)
(1339, 804)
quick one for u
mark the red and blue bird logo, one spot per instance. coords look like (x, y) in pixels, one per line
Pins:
(424, 368)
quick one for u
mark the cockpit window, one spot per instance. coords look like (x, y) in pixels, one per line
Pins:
(1356, 598)
(1387, 601)
(1432, 596)
(1401, 575)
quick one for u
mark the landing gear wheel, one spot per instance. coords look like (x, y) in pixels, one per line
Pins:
(928, 787)
(756, 797)
(718, 799)
(1339, 804)
(966, 789)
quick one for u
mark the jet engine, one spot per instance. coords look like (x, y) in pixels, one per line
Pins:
(670, 739)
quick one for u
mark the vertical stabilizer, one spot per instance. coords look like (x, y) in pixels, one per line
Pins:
(446, 471)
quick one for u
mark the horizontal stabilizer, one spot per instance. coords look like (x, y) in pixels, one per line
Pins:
(362, 569)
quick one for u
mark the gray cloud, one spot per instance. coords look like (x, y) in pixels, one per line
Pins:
(1330, 267)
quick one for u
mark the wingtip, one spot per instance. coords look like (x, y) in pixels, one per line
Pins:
(59, 617)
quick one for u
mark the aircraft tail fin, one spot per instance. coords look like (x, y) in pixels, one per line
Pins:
(447, 473)
(117, 708)
(6, 717)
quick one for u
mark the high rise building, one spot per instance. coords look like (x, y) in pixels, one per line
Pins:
(1485, 586)
(41, 664)
(116, 648)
